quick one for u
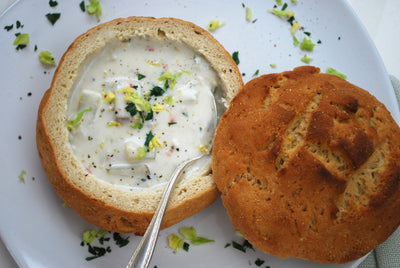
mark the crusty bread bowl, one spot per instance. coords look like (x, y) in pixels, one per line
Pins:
(309, 166)
(101, 203)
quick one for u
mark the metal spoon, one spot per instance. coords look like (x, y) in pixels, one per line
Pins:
(143, 253)
(142, 256)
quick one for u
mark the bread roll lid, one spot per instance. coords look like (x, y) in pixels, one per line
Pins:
(129, 101)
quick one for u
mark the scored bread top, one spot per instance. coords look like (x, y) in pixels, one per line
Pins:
(308, 166)
(98, 202)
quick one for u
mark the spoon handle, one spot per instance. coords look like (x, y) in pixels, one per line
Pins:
(142, 256)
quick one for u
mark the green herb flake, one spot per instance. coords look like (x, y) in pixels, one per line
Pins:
(141, 76)
(89, 236)
(140, 103)
(35, 49)
(171, 123)
(242, 247)
(141, 153)
(279, 2)
(53, 3)
(285, 5)
(94, 8)
(175, 242)
(169, 100)
(149, 137)
(46, 58)
(259, 262)
(131, 109)
(157, 91)
(281, 13)
(307, 44)
(227, 245)
(256, 73)
(73, 123)
(306, 59)
(248, 14)
(332, 71)
(8, 27)
(21, 175)
(191, 234)
(21, 39)
(136, 125)
(82, 6)
(119, 240)
(272, 65)
(295, 41)
(238, 246)
(235, 56)
(53, 17)
(168, 76)
(19, 24)
(186, 246)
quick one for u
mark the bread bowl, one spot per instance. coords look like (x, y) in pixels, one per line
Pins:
(308, 166)
(65, 117)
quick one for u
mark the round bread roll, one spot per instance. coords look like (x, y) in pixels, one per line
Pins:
(109, 205)
(308, 166)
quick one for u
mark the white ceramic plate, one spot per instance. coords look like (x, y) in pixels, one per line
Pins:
(38, 231)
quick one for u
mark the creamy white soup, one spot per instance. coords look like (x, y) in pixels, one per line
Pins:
(139, 108)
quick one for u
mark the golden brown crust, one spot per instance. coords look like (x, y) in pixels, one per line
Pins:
(308, 166)
(98, 202)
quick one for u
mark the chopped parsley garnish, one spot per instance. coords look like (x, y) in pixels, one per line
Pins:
(175, 242)
(307, 44)
(96, 252)
(8, 27)
(141, 76)
(131, 109)
(120, 241)
(53, 3)
(82, 6)
(242, 247)
(89, 237)
(235, 56)
(21, 175)
(248, 14)
(94, 8)
(53, 17)
(214, 24)
(157, 91)
(330, 70)
(285, 5)
(319, 42)
(169, 100)
(139, 101)
(46, 58)
(169, 77)
(227, 245)
(171, 123)
(190, 233)
(306, 59)
(259, 262)
(73, 123)
(19, 24)
(307, 33)
(256, 73)
(295, 41)
(281, 13)
(35, 49)
(21, 40)
(186, 246)
(149, 137)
